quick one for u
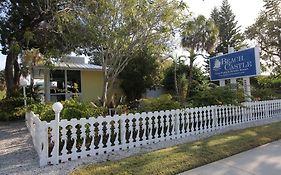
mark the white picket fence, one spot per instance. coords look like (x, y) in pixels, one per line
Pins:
(63, 140)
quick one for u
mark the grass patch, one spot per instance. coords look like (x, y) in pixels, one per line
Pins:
(184, 157)
(2, 94)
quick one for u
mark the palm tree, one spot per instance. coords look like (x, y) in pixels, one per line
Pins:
(198, 35)
(31, 58)
(176, 60)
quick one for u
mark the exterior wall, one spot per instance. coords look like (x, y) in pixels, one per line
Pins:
(92, 85)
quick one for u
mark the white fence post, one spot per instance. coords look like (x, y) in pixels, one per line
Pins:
(43, 144)
(177, 123)
(215, 118)
(123, 131)
(57, 107)
(27, 120)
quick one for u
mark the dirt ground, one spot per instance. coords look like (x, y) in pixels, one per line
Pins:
(16, 149)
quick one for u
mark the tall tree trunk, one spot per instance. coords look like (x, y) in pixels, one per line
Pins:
(32, 93)
(175, 79)
(105, 77)
(190, 77)
(11, 74)
(105, 91)
(16, 73)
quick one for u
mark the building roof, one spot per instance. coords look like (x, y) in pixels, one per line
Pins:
(72, 66)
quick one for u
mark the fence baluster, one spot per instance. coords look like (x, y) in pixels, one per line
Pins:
(149, 127)
(92, 134)
(64, 141)
(115, 141)
(177, 124)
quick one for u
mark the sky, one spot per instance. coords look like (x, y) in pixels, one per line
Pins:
(246, 12)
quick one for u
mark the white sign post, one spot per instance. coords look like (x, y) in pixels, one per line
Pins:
(222, 82)
(233, 82)
(246, 85)
(247, 88)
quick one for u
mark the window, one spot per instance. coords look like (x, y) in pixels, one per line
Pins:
(73, 81)
(64, 84)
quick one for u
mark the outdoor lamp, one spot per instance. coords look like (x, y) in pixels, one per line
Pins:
(23, 83)
(57, 107)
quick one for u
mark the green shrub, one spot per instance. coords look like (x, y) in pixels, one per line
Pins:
(44, 111)
(12, 108)
(72, 108)
(265, 93)
(164, 102)
(2, 93)
(268, 82)
(217, 96)
(122, 109)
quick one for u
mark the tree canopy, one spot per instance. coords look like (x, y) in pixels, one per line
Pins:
(267, 32)
(199, 35)
(182, 72)
(44, 25)
(111, 31)
(118, 29)
(229, 30)
(143, 72)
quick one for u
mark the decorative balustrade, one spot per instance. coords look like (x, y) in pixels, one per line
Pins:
(65, 140)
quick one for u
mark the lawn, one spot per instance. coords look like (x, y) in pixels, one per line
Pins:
(184, 157)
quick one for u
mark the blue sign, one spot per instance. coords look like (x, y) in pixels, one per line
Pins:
(245, 63)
